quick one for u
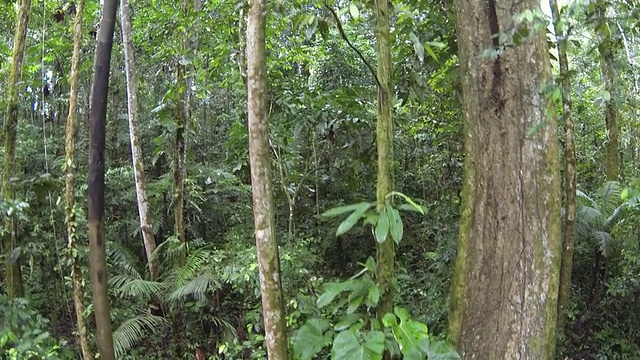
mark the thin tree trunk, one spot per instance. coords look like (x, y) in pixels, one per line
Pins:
(70, 215)
(13, 275)
(505, 282)
(97, 255)
(605, 48)
(262, 187)
(136, 150)
(179, 161)
(566, 263)
(612, 151)
(384, 137)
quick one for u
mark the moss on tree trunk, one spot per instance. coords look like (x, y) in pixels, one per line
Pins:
(505, 285)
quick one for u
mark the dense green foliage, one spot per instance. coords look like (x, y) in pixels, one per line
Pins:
(322, 113)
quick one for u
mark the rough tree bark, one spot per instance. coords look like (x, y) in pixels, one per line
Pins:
(97, 256)
(13, 275)
(566, 263)
(505, 284)
(384, 141)
(69, 209)
(262, 186)
(148, 236)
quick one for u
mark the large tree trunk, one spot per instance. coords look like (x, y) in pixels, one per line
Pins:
(262, 187)
(384, 141)
(505, 285)
(70, 215)
(13, 275)
(136, 150)
(566, 263)
(97, 256)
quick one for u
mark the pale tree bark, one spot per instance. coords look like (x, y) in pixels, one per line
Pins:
(13, 275)
(566, 263)
(262, 186)
(137, 158)
(384, 141)
(505, 283)
(97, 255)
(69, 209)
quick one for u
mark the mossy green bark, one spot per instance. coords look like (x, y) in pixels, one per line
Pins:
(505, 283)
(384, 141)
(13, 275)
(568, 236)
(606, 48)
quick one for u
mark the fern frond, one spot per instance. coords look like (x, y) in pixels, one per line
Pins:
(196, 288)
(133, 330)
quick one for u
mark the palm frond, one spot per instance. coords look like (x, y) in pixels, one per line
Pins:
(604, 241)
(590, 216)
(169, 250)
(133, 330)
(197, 288)
(193, 265)
(584, 199)
(608, 197)
(125, 285)
(122, 259)
(614, 216)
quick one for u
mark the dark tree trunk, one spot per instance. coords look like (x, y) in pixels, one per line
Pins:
(97, 255)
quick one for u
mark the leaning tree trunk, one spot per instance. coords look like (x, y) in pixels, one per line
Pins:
(13, 276)
(70, 214)
(384, 141)
(97, 255)
(136, 149)
(566, 263)
(262, 186)
(505, 284)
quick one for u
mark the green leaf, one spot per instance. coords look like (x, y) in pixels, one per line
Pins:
(430, 51)
(382, 228)
(353, 10)
(345, 209)
(408, 200)
(417, 46)
(395, 225)
(352, 219)
(354, 304)
(346, 346)
(624, 194)
(374, 294)
(311, 338)
(346, 322)
(331, 290)
(408, 333)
